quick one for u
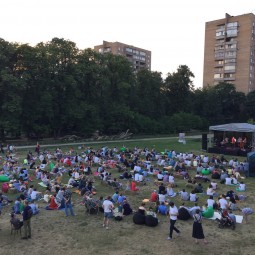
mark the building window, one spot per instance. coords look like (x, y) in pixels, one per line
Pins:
(220, 33)
(232, 32)
(129, 50)
(228, 75)
(230, 60)
(218, 75)
(229, 68)
(218, 69)
(231, 46)
(221, 26)
(219, 47)
(219, 54)
(142, 53)
(232, 24)
(230, 54)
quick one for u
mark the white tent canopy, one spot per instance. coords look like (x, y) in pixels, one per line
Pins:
(234, 127)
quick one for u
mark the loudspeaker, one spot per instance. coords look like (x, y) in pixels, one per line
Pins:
(204, 142)
(251, 161)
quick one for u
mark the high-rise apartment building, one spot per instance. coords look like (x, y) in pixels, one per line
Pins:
(229, 52)
(139, 58)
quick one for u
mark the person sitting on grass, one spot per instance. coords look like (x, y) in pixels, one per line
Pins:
(199, 188)
(151, 212)
(126, 208)
(184, 195)
(162, 189)
(232, 204)
(214, 185)
(193, 196)
(154, 196)
(170, 191)
(53, 205)
(142, 209)
(208, 211)
(162, 209)
(210, 191)
(247, 211)
(133, 186)
(210, 202)
(233, 180)
(242, 187)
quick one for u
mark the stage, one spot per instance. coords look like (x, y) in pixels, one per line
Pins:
(235, 151)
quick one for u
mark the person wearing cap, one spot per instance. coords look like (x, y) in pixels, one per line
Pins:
(173, 212)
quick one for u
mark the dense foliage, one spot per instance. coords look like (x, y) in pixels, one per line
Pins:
(54, 89)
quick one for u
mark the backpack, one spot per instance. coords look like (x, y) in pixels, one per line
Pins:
(30, 213)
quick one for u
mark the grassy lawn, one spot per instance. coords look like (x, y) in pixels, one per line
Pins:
(53, 233)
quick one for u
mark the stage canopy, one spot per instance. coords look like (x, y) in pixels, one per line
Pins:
(234, 127)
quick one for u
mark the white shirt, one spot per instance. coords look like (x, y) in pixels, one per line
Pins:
(228, 181)
(234, 180)
(210, 202)
(137, 177)
(173, 211)
(210, 192)
(171, 179)
(223, 203)
(160, 176)
(33, 194)
(140, 177)
(184, 195)
(161, 198)
(137, 168)
(193, 197)
(108, 206)
(76, 175)
(241, 186)
(214, 185)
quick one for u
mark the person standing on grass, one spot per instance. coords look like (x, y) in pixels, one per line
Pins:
(173, 212)
(197, 231)
(27, 220)
(68, 202)
(108, 207)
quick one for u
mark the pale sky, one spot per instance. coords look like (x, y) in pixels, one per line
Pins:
(172, 30)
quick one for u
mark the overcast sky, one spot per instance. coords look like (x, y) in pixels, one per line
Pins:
(172, 30)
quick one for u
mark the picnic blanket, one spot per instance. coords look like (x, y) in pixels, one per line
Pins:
(239, 218)
(42, 184)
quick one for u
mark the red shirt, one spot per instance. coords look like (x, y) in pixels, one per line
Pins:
(154, 197)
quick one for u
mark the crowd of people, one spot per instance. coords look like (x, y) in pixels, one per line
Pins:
(136, 169)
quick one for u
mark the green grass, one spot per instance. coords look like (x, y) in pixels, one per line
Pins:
(84, 234)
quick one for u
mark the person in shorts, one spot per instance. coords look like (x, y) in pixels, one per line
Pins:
(108, 211)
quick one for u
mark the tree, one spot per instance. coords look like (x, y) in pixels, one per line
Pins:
(148, 94)
(177, 88)
(11, 91)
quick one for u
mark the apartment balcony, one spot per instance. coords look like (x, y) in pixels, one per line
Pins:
(219, 65)
(219, 58)
(229, 79)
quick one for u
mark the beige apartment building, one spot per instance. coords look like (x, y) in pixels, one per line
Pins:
(139, 58)
(229, 52)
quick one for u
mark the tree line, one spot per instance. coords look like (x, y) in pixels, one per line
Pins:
(54, 89)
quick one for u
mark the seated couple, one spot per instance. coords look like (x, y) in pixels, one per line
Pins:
(54, 204)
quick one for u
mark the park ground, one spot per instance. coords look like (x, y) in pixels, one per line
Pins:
(53, 233)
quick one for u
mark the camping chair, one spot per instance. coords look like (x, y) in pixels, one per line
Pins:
(15, 229)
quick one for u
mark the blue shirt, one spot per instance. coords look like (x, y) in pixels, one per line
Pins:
(162, 209)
